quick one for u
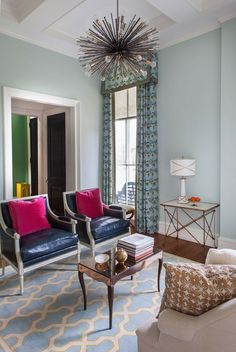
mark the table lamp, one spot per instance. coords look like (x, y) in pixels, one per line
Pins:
(182, 168)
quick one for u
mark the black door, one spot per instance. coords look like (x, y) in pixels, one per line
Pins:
(34, 155)
(56, 161)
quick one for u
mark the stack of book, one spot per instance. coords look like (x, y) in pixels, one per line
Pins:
(137, 246)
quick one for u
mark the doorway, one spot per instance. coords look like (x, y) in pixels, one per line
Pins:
(71, 133)
(34, 164)
(56, 160)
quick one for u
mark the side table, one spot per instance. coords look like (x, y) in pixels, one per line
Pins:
(202, 214)
(128, 210)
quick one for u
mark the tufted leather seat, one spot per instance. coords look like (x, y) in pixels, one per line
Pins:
(46, 242)
(106, 226)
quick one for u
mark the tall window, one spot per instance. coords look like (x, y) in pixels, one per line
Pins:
(125, 112)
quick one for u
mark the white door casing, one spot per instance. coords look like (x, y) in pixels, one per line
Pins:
(72, 132)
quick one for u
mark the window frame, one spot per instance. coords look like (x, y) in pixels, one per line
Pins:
(126, 119)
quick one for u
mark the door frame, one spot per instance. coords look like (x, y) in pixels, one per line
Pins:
(72, 104)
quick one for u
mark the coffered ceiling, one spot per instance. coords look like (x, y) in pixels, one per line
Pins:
(55, 24)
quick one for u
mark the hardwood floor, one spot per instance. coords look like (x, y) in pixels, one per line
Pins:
(182, 248)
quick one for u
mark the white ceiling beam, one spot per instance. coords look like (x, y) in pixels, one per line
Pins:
(25, 7)
(180, 12)
(49, 12)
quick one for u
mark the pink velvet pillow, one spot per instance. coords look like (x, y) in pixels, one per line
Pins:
(89, 203)
(28, 216)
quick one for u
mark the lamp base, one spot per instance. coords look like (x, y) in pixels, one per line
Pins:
(183, 199)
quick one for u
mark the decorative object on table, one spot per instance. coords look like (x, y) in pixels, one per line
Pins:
(121, 256)
(118, 47)
(183, 168)
(102, 258)
(102, 267)
(194, 199)
(102, 261)
(137, 246)
(120, 267)
(22, 189)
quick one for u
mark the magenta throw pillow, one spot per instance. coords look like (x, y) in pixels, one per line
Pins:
(28, 216)
(89, 203)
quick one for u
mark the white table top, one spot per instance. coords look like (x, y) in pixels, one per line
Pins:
(201, 206)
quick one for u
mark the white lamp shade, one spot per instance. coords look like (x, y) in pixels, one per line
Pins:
(183, 167)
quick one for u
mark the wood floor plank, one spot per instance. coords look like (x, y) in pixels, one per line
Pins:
(182, 248)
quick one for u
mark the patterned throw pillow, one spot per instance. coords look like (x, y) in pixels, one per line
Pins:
(196, 288)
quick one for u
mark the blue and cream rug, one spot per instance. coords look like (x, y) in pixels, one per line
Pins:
(49, 317)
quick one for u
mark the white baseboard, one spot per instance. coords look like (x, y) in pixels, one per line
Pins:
(184, 235)
(225, 242)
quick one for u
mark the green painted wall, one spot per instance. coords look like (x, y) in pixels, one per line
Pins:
(29, 67)
(19, 150)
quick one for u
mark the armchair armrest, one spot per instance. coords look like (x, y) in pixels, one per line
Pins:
(62, 222)
(113, 211)
(64, 218)
(11, 233)
(184, 327)
(10, 244)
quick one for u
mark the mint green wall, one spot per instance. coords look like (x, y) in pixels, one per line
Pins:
(19, 150)
(29, 67)
(189, 115)
(228, 130)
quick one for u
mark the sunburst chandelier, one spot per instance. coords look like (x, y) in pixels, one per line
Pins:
(118, 48)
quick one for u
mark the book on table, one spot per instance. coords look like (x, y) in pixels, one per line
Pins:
(132, 251)
(136, 241)
(137, 246)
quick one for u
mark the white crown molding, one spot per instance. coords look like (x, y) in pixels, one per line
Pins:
(65, 52)
(189, 36)
(61, 35)
(38, 43)
(228, 17)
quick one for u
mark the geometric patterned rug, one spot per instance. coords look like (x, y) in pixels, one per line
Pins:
(49, 317)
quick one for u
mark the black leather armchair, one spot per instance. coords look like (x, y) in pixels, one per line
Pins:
(26, 253)
(99, 231)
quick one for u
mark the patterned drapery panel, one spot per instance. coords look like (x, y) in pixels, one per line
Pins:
(147, 202)
(107, 190)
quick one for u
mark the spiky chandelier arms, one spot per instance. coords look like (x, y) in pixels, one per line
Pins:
(116, 47)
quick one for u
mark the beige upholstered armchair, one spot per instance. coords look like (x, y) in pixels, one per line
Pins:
(213, 331)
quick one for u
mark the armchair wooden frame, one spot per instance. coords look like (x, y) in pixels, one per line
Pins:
(14, 239)
(87, 220)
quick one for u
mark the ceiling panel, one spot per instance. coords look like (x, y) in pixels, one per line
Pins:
(55, 24)
(76, 22)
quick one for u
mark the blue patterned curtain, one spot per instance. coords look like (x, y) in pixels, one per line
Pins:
(147, 202)
(107, 190)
